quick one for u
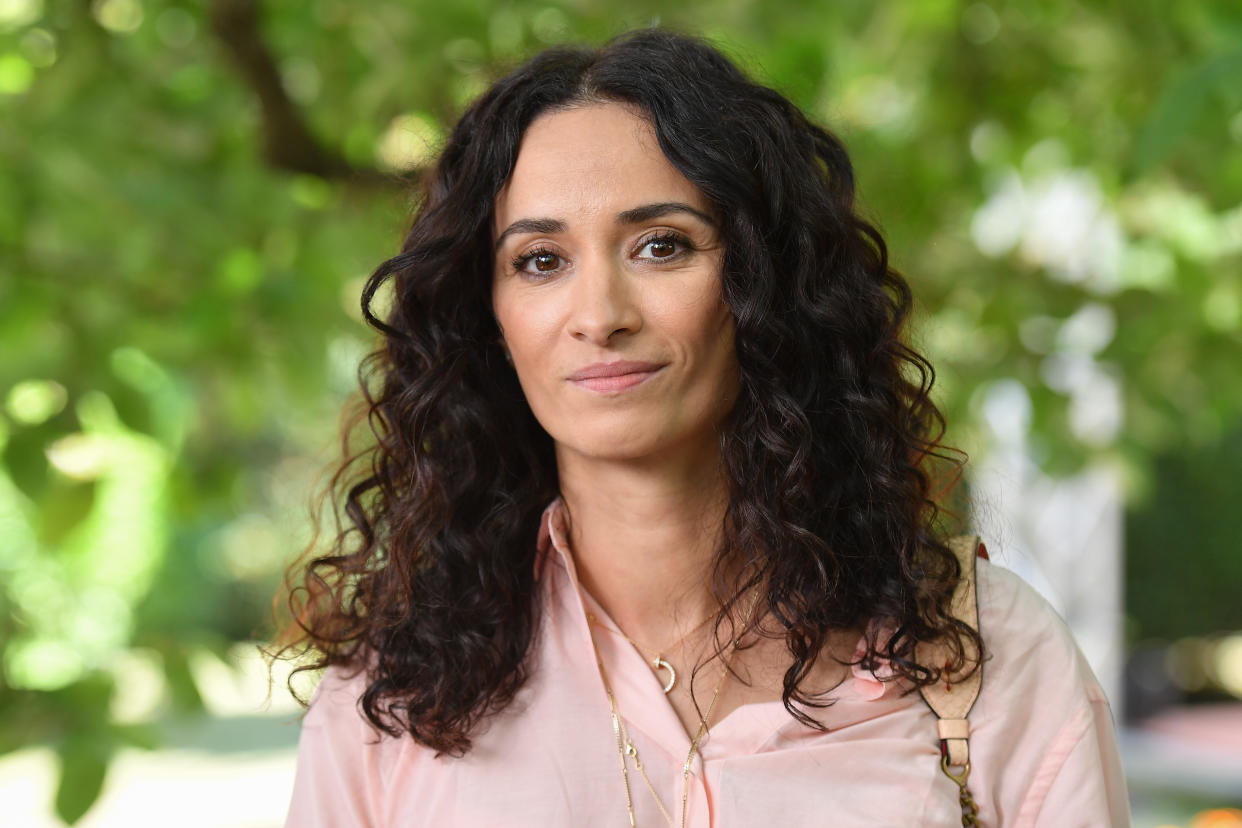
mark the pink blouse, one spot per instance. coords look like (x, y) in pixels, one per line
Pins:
(1042, 745)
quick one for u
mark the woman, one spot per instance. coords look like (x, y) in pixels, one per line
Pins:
(648, 532)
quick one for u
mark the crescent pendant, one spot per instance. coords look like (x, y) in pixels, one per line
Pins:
(660, 663)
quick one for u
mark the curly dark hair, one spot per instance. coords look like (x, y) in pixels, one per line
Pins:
(832, 451)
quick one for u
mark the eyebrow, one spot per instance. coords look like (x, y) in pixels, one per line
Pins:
(637, 215)
(653, 211)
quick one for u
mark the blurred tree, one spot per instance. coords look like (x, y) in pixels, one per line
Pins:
(191, 196)
(1183, 569)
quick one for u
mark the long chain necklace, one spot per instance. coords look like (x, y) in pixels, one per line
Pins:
(658, 661)
(625, 747)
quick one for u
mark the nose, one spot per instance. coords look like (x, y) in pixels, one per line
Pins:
(604, 303)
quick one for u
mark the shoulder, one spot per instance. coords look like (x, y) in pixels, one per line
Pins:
(1030, 647)
(337, 697)
(335, 711)
(1031, 657)
(344, 761)
(335, 715)
(1042, 733)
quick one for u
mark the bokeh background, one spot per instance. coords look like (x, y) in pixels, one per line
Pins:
(192, 194)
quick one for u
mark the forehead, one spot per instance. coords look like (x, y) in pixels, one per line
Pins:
(587, 161)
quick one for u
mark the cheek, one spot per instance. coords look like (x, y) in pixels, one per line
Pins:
(727, 371)
(530, 335)
(510, 317)
(705, 323)
(718, 356)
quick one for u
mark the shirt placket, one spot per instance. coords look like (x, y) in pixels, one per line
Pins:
(700, 801)
(650, 719)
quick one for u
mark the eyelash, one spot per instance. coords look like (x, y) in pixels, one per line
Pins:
(519, 263)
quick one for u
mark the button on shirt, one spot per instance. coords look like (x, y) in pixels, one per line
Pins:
(1042, 743)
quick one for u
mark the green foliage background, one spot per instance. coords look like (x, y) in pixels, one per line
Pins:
(183, 238)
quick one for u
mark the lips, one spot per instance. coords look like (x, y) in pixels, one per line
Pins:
(613, 369)
(613, 376)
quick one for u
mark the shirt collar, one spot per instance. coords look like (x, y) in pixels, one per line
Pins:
(553, 543)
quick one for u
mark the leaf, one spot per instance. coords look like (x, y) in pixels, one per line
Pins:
(83, 769)
(1180, 105)
(145, 736)
(181, 685)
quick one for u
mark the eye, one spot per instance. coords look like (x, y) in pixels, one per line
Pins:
(665, 246)
(544, 260)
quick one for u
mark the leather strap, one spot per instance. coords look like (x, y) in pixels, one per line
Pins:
(951, 699)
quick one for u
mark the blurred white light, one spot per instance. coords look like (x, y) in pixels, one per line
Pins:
(141, 685)
(41, 664)
(244, 788)
(100, 622)
(1045, 158)
(238, 685)
(17, 13)
(997, 225)
(1038, 333)
(1095, 411)
(1067, 372)
(1183, 221)
(80, 456)
(878, 102)
(1088, 330)
(1064, 230)
(248, 548)
(1229, 664)
(1007, 410)
(410, 141)
(1147, 264)
(988, 142)
(345, 355)
(118, 16)
(1059, 222)
(31, 402)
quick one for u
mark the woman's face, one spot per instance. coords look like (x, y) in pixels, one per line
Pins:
(606, 254)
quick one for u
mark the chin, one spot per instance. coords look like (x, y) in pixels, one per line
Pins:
(635, 444)
(610, 439)
(610, 448)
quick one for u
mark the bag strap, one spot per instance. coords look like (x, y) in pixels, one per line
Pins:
(950, 699)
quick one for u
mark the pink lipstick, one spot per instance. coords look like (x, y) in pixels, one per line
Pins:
(613, 376)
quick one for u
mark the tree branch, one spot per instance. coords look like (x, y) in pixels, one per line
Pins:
(288, 143)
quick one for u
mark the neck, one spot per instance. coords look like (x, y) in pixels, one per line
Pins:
(643, 540)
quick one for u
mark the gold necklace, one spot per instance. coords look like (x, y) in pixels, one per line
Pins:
(658, 662)
(626, 747)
